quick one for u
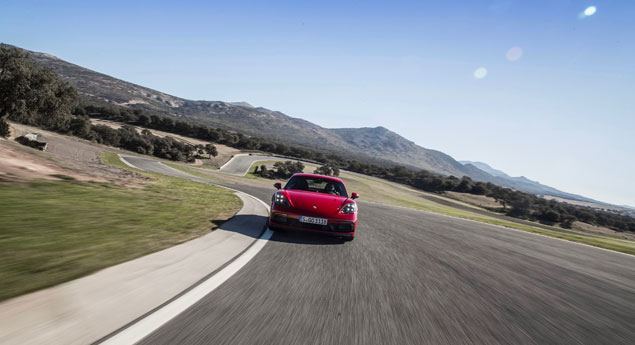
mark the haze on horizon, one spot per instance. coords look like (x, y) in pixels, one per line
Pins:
(541, 89)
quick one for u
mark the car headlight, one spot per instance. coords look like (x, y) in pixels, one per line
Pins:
(280, 200)
(349, 208)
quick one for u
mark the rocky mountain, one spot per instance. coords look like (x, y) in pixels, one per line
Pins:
(381, 142)
(376, 143)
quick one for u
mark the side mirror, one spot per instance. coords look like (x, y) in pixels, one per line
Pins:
(354, 195)
(278, 185)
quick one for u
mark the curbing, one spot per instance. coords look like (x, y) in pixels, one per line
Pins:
(95, 307)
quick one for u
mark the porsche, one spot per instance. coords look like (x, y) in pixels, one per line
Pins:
(316, 203)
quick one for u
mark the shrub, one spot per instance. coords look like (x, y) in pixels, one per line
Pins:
(5, 130)
(328, 170)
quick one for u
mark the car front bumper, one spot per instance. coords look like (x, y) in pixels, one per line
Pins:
(336, 227)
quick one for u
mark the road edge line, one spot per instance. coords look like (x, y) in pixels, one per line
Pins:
(146, 324)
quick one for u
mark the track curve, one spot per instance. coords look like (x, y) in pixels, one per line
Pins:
(239, 164)
(412, 277)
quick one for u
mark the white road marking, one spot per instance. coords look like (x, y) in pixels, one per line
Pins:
(232, 158)
(154, 321)
(121, 158)
(150, 323)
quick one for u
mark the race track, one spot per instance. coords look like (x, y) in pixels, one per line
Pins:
(412, 277)
(239, 164)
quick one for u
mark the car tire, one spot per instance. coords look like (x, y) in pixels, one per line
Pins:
(272, 228)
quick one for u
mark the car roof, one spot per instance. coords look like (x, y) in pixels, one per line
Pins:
(326, 177)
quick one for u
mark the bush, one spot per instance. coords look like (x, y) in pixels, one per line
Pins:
(281, 170)
(80, 126)
(211, 150)
(5, 130)
(328, 170)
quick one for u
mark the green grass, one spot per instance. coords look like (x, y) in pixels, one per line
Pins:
(252, 168)
(380, 191)
(389, 193)
(52, 232)
(308, 168)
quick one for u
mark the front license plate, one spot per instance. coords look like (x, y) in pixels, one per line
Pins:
(313, 220)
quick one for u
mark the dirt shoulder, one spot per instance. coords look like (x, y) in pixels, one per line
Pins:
(65, 158)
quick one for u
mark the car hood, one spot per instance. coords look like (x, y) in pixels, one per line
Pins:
(316, 204)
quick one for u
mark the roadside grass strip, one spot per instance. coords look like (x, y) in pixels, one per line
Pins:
(389, 193)
(55, 231)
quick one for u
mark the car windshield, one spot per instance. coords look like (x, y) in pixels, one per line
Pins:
(319, 185)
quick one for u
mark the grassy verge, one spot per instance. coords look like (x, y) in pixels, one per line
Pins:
(389, 193)
(380, 191)
(308, 168)
(51, 232)
(252, 168)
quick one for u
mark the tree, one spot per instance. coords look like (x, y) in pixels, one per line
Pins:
(80, 126)
(211, 150)
(552, 216)
(479, 189)
(143, 120)
(566, 221)
(33, 95)
(521, 207)
(200, 150)
(465, 186)
(263, 172)
(323, 170)
(15, 73)
(327, 169)
(106, 135)
(287, 168)
(336, 171)
(5, 130)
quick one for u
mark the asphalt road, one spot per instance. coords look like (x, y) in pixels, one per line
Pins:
(239, 165)
(416, 278)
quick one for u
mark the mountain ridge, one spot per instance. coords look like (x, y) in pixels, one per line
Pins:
(370, 142)
(525, 184)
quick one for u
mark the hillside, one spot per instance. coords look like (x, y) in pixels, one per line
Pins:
(381, 142)
(239, 116)
(524, 184)
(376, 144)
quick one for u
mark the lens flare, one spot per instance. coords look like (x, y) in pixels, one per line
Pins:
(514, 54)
(589, 11)
(480, 73)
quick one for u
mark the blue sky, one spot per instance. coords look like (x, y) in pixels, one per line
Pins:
(563, 113)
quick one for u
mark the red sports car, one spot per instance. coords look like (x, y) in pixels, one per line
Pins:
(314, 203)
